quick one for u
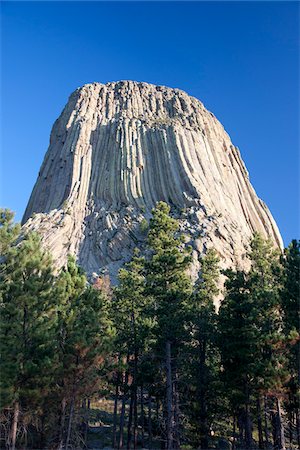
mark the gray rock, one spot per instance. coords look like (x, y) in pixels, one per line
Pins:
(116, 150)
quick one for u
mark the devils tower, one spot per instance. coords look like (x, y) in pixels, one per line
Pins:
(120, 147)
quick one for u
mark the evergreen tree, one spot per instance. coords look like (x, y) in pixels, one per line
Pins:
(251, 339)
(69, 286)
(27, 324)
(265, 278)
(9, 231)
(84, 335)
(155, 338)
(290, 303)
(291, 286)
(239, 349)
(204, 359)
(132, 326)
(170, 288)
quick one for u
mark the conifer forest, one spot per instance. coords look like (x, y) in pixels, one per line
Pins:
(150, 363)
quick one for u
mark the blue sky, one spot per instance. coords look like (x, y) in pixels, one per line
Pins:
(240, 58)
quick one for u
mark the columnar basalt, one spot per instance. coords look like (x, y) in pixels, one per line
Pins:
(116, 150)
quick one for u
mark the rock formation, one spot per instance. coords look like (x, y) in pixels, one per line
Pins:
(116, 150)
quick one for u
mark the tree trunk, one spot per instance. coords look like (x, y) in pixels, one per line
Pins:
(169, 397)
(133, 407)
(202, 399)
(149, 421)
(176, 411)
(142, 416)
(280, 428)
(248, 428)
(124, 398)
(122, 420)
(116, 413)
(291, 422)
(135, 419)
(259, 424)
(62, 423)
(85, 421)
(267, 440)
(248, 424)
(129, 433)
(135, 400)
(70, 420)
(274, 430)
(14, 427)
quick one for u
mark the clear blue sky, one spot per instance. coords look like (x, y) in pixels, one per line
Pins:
(240, 58)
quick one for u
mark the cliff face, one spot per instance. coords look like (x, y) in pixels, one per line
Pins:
(115, 151)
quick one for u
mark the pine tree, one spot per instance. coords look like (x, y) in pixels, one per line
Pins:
(204, 360)
(251, 339)
(170, 288)
(27, 324)
(129, 305)
(85, 335)
(69, 286)
(238, 341)
(290, 304)
(153, 338)
(9, 231)
(265, 279)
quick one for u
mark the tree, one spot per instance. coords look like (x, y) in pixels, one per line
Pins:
(238, 341)
(84, 334)
(251, 339)
(27, 324)
(170, 288)
(9, 231)
(129, 305)
(204, 359)
(265, 278)
(290, 304)
(182, 370)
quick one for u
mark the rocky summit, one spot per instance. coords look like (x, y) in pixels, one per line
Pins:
(120, 147)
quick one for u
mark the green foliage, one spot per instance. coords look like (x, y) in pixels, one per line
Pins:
(290, 295)
(238, 337)
(55, 335)
(153, 342)
(201, 353)
(84, 334)
(27, 319)
(167, 281)
(130, 303)
(144, 226)
(291, 286)
(8, 230)
(265, 284)
(169, 288)
(250, 325)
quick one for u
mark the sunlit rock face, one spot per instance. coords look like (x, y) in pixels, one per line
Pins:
(116, 150)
